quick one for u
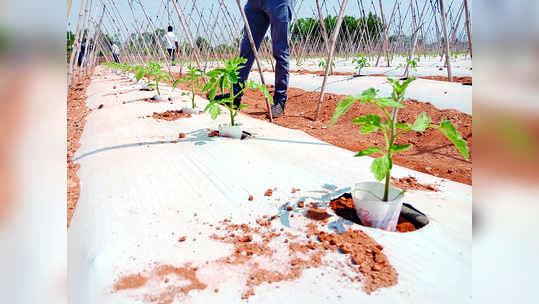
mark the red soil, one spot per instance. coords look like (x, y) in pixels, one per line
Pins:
(76, 119)
(171, 115)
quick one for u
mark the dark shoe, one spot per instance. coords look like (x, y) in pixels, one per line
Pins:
(277, 110)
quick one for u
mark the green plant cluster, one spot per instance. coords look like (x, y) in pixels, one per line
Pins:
(220, 80)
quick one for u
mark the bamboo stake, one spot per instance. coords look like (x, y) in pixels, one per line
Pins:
(138, 29)
(468, 28)
(415, 35)
(253, 47)
(386, 37)
(444, 28)
(330, 57)
(75, 45)
(98, 28)
(324, 33)
(187, 34)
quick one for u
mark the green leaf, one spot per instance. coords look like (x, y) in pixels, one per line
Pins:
(243, 106)
(400, 148)
(421, 123)
(342, 108)
(214, 111)
(370, 119)
(139, 75)
(176, 82)
(365, 129)
(368, 151)
(380, 167)
(389, 102)
(447, 128)
(402, 126)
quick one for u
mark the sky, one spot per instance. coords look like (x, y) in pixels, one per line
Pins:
(159, 16)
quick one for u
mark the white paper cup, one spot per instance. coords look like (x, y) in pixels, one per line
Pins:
(227, 130)
(372, 211)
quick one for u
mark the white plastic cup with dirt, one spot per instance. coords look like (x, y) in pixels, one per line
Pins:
(226, 130)
(160, 97)
(372, 211)
(189, 110)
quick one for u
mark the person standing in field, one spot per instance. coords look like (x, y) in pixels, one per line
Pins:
(262, 14)
(171, 43)
(115, 52)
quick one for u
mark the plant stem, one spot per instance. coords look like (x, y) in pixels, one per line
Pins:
(230, 109)
(193, 94)
(157, 87)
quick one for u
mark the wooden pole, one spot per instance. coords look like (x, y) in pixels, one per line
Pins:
(255, 52)
(386, 37)
(416, 34)
(444, 28)
(330, 57)
(324, 32)
(187, 33)
(468, 28)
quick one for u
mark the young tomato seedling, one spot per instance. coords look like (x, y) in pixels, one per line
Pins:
(323, 63)
(381, 166)
(221, 80)
(154, 72)
(361, 62)
(193, 76)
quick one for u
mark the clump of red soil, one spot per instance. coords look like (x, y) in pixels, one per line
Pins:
(150, 100)
(160, 275)
(268, 192)
(76, 120)
(181, 135)
(345, 208)
(214, 133)
(317, 214)
(251, 243)
(367, 254)
(411, 183)
(251, 197)
(130, 282)
(171, 115)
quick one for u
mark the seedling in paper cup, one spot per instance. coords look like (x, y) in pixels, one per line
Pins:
(381, 166)
(367, 194)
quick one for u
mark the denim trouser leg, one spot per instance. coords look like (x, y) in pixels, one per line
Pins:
(260, 15)
(280, 18)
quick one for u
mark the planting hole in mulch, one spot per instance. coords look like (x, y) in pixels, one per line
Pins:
(410, 218)
(171, 115)
(216, 133)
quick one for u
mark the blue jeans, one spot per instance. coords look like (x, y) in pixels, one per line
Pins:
(262, 14)
(171, 53)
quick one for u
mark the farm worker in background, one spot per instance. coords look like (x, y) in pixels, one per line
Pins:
(81, 52)
(115, 52)
(172, 43)
(262, 14)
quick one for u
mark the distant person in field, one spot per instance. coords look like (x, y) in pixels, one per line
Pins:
(261, 14)
(115, 52)
(81, 52)
(172, 43)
